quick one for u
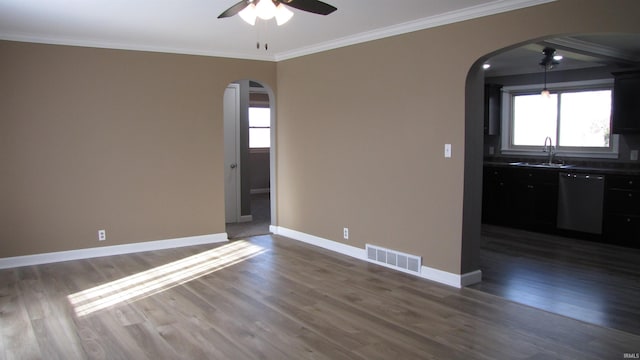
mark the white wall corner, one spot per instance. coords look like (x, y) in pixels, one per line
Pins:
(451, 279)
(426, 272)
(471, 278)
(46, 258)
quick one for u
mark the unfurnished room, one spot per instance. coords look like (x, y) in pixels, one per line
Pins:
(305, 179)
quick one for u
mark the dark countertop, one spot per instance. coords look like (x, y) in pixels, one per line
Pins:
(579, 168)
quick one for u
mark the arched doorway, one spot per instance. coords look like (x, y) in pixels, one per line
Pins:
(510, 271)
(250, 206)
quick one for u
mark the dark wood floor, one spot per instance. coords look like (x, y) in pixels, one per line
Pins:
(272, 298)
(584, 280)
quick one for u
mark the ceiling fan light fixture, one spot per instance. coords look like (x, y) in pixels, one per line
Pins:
(283, 14)
(249, 14)
(266, 9)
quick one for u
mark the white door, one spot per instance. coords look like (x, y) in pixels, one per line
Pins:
(232, 153)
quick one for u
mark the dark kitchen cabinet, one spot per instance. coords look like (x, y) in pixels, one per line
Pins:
(492, 109)
(535, 194)
(521, 198)
(622, 210)
(626, 103)
(496, 197)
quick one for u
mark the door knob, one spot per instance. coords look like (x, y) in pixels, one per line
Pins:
(233, 166)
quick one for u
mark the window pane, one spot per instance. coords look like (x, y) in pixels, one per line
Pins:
(260, 117)
(534, 118)
(259, 137)
(585, 118)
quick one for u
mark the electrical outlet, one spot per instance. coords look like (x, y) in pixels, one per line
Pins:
(345, 233)
(102, 235)
(447, 150)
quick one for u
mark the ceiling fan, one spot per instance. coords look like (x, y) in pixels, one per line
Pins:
(267, 9)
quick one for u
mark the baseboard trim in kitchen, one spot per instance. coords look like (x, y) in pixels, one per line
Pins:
(46, 258)
(426, 272)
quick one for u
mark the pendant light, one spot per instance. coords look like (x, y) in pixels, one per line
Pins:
(549, 60)
(545, 92)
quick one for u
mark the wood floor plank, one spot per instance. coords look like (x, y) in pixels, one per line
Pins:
(19, 338)
(290, 300)
(593, 282)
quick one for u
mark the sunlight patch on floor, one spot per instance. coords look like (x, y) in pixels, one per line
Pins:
(161, 278)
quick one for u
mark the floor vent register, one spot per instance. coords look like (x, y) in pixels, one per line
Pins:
(394, 259)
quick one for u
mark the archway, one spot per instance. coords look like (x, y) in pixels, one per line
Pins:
(477, 151)
(250, 155)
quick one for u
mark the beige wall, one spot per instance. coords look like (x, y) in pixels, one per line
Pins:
(361, 130)
(126, 141)
(132, 141)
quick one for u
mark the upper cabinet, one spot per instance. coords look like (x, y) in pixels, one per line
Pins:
(626, 102)
(492, 109)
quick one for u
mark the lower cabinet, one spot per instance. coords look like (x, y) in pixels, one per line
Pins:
(535, 199)
(522, 198)
(528, 199)
(496, 196)
(622, 210)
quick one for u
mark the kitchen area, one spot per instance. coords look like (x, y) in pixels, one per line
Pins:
(561, 220)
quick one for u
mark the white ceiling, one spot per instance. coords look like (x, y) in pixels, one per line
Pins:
(192, 27)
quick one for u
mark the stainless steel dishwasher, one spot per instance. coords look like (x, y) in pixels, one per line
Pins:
(580, 198)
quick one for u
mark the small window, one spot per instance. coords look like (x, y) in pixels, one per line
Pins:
(259, 127)
(576, 118)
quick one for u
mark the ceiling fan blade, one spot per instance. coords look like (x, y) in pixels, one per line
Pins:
(313, 6)
(234, 9)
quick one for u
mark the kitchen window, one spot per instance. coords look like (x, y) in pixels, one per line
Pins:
(259, 128)
(576, 116)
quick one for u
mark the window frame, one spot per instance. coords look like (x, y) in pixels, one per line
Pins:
(508, 94)
(262, 148)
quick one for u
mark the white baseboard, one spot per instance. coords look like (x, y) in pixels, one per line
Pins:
(53, 257)
(471, 278)
(349, 250)
(426, 272)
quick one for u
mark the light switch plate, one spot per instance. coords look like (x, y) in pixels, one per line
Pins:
(634, 155)
(447, 150)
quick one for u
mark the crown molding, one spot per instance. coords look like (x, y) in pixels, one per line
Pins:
(495, 7)
(492, 8)
(132, 47)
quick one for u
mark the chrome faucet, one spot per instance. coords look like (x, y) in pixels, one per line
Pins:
(548, 148)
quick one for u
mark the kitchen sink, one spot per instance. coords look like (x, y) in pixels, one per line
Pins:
(542, 165)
